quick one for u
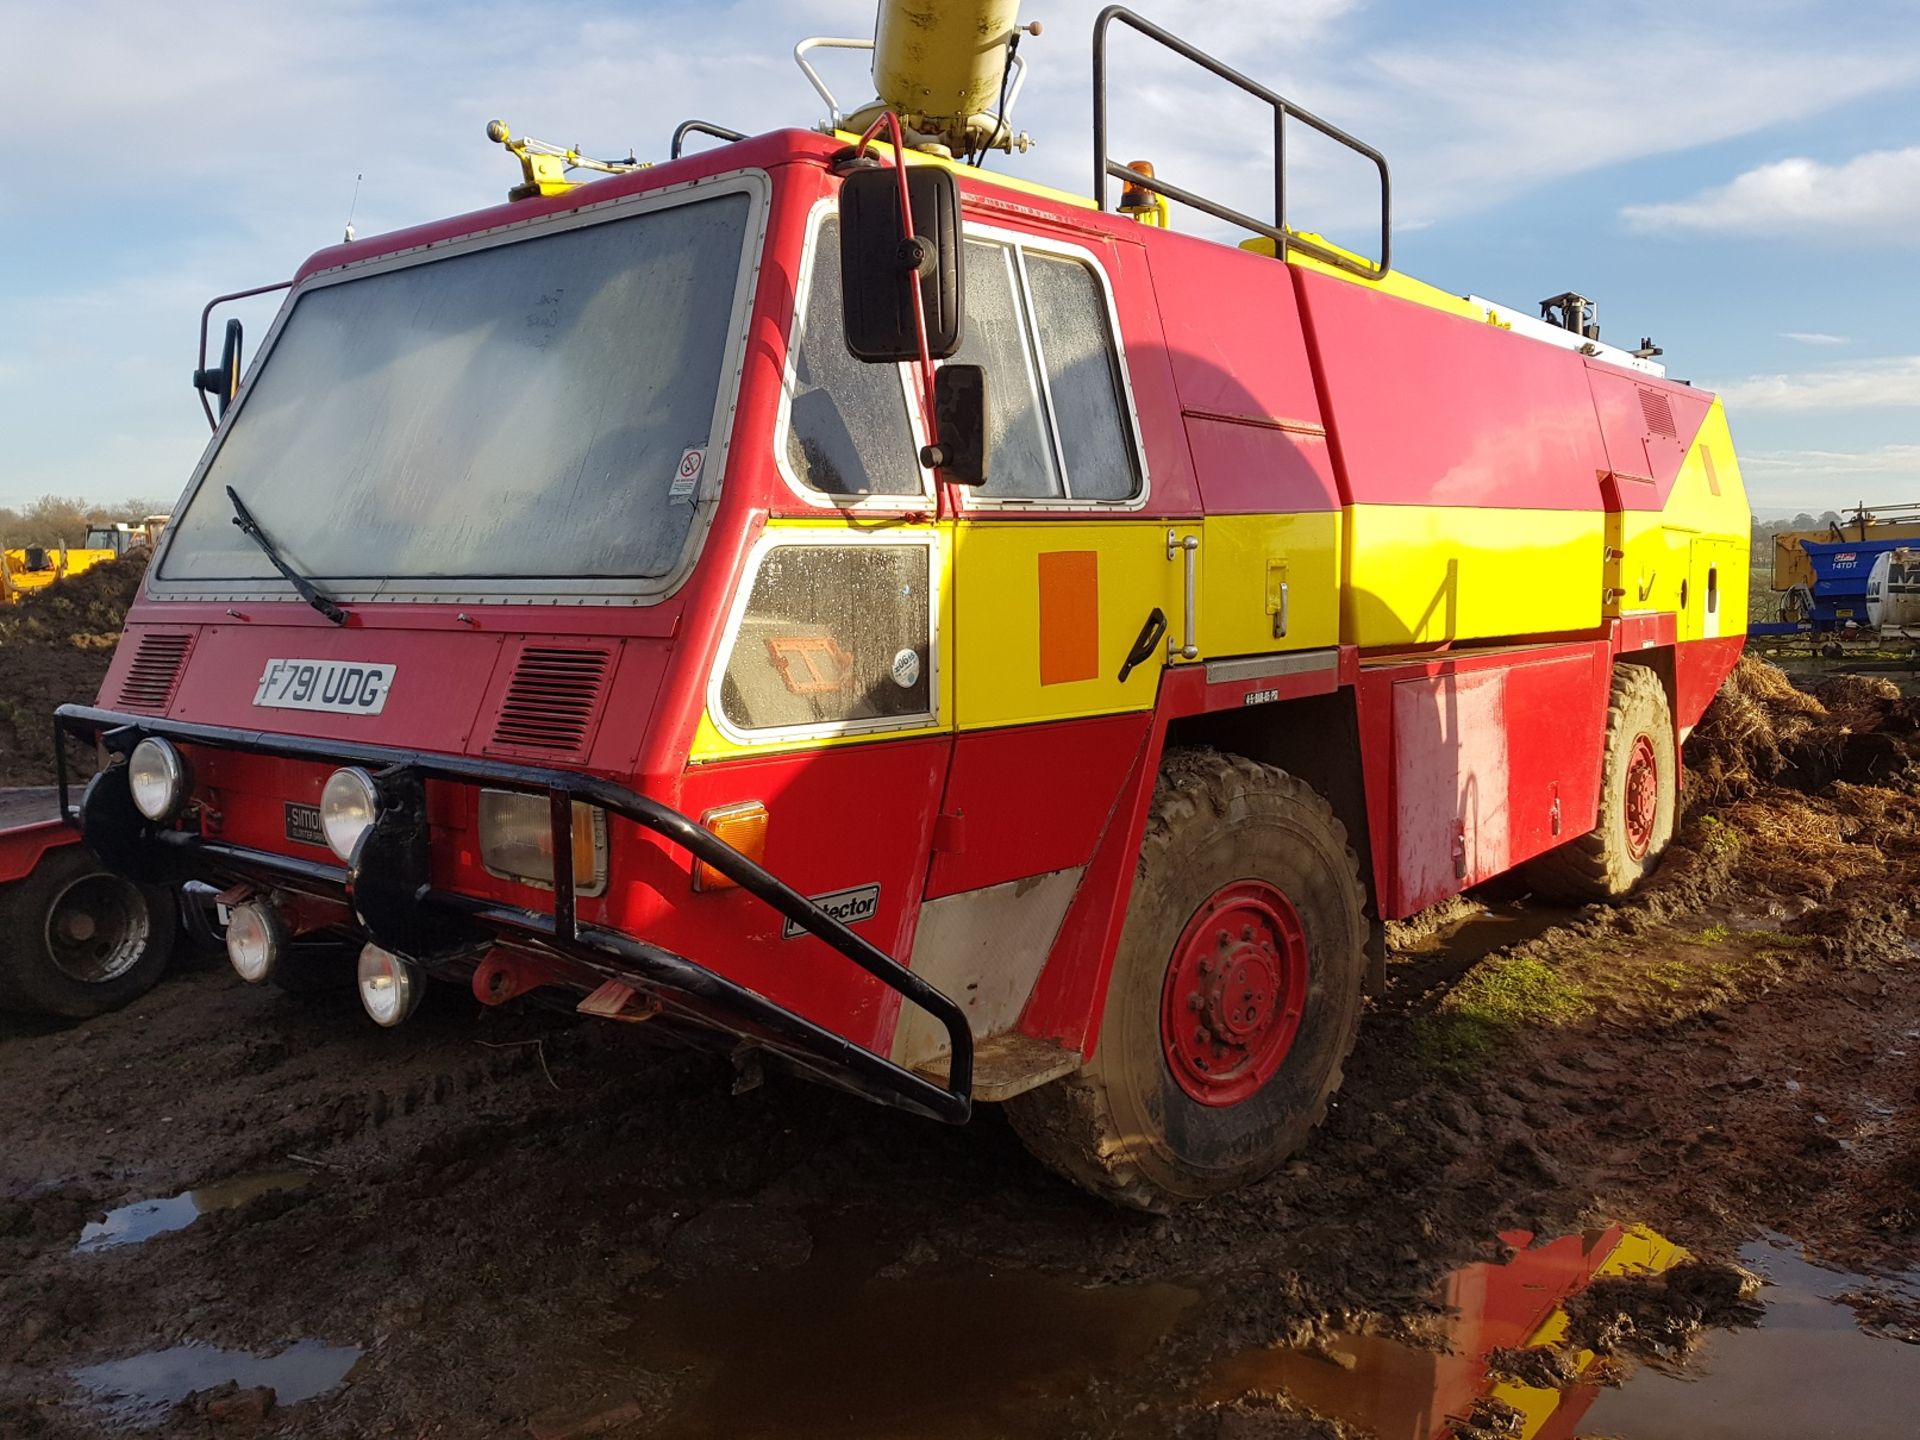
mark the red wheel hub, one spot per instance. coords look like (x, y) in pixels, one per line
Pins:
(1236, 989)
(1642, 797)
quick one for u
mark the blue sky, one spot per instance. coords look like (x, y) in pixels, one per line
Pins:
(1739, 181)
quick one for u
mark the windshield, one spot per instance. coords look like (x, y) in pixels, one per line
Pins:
(531, 410)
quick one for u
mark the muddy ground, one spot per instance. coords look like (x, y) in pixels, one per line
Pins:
(55, 645)
(529, 1225)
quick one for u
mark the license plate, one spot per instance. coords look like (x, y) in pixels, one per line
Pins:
(303, 824)
(344, 687)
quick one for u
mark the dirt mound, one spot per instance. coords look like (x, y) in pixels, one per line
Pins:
(1661, 1317)
(55, 646)
(1762, 730)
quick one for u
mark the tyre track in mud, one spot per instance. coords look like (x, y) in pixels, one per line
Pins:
(494, 1194)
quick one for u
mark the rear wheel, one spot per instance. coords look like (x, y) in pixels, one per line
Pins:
(1638, 793)
(1235, 995)
(77, 940)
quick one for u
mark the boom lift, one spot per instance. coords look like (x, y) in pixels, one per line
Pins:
(950, 637)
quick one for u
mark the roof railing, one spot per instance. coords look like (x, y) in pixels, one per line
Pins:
(1284, 239)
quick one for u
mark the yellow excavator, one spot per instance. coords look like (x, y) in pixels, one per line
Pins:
(34, 567)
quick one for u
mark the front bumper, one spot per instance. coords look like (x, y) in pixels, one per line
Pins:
(390, 892)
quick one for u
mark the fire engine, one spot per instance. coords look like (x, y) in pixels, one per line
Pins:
(962, 641)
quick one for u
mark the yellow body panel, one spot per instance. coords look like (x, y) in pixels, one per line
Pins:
(1244, 559)
(998, 621)
(1394, 282)
(1417, 574)
(1664, 556)
(973, 172)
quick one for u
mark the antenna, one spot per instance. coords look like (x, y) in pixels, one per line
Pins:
(352, 205)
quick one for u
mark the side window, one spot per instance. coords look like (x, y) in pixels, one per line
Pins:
(848, 432)
(1055, 403)
(833, 634)
(996, 336)
(1083, 377)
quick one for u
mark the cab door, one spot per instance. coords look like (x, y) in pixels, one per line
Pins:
(1057, 572)
(1056, 567)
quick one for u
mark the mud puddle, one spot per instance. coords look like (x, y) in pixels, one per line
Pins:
(1808, 1369)
(141, 1220)
(846, 1344)
(1517, 1358)
(141, 1389)
(1487, 928)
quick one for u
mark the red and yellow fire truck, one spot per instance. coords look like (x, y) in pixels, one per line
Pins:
(954, 638)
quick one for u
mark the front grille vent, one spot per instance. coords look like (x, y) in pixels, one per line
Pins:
(1659, 413)
(553, 699)
(150, 679)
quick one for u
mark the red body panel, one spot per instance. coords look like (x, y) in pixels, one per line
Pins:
(23, 846)
(1646, 426)
(1250, 411)
(1427, 408)
(1031, 801)
(1469, 760)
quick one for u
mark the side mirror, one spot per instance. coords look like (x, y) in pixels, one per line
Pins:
(223, 381)
(879, 266)
(960, 418)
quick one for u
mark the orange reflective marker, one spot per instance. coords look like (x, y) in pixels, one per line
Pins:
(1069, 616)
(744, 827)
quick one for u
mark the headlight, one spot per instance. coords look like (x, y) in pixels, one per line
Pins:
(348, 807)
(516, 841)
(158, 778)
(390, 987)
(255, 940)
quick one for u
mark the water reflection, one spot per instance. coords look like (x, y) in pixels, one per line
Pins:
(143, 1219)
(141, 1388)
(1404, 1392)
(1806, 1369)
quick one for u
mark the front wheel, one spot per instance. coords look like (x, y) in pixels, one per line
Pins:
(77, 940)
(1235, 995)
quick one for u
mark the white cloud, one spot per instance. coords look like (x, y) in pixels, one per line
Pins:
(1817, 480)
(1872, 196)
(1887, 460)
(220, 156)
(1892, 383)
(1815, 337)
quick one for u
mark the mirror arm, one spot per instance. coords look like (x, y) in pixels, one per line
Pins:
(915, 253)
(213, 422)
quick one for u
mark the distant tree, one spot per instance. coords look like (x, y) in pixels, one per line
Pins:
(63, 519)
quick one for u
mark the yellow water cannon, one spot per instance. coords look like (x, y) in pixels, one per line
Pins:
(951, 72)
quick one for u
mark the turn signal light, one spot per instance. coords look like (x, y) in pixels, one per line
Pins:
(744, 827)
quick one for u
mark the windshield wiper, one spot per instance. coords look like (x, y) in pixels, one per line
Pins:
(302, 586)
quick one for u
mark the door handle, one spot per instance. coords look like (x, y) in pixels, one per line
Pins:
(1146, 644)
(1188, 548)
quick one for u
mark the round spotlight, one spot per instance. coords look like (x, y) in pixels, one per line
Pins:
(390, 987)
(348, 807)
(158, 778)
(256, 939)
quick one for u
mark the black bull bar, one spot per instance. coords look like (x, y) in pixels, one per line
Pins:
(388, 884)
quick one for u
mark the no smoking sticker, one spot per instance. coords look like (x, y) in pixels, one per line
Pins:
(686, 478)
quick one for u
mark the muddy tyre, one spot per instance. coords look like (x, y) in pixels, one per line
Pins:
(1638, 792)
(76, 940)
(1235, 996)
